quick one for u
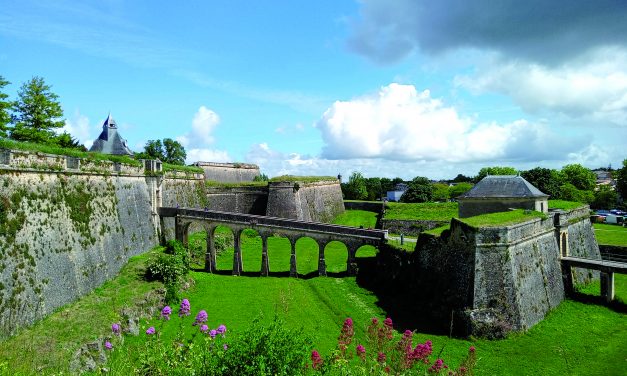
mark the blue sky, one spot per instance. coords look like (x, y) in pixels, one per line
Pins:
(389, 88)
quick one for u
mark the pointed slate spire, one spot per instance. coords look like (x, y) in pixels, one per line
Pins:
(110, 141)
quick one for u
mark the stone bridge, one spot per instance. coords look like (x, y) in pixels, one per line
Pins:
(321, 233)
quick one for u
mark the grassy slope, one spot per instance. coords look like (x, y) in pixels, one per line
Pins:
(357, 218)
(503, 218)
(51, 342)
(610, 234)
(429, 211)
(575, 338)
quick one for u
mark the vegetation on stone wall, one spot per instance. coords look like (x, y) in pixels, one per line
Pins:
(430, 211)
(57, 150)
(503, 218)
(303, 179)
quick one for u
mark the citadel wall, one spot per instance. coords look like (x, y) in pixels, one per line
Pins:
(316, 201)
(66, 226)
(229, 172)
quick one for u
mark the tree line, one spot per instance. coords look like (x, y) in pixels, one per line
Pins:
(573, 182)
(34, 115)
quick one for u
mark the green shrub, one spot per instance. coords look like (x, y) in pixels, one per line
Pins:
(171, 267)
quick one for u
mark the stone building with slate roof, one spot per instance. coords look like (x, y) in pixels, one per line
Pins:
(499, 193)
(110, 141)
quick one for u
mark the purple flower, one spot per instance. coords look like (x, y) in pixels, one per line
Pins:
(185, 308)
(116, 329)
(204, 328)
(221, 329)
(213, 333)
(108, 345)
(201, 318)
(316, 359)
(388, 322)
(150, 331)
(225, 346)
(166, 312)
(381, 357)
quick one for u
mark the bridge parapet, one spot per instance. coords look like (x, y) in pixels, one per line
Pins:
(292, 229)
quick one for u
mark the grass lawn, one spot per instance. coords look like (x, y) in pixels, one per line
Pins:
(575, 338)
(428, 211)
(564, 205)
(502, 218)
(357, 218)
(610, 234)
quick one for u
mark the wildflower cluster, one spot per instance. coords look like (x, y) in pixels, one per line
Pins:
(385, 354)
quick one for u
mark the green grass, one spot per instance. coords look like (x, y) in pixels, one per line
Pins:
(56, 150)
(438, 230)
(217, 184)
(503, 218)
(357, 218)
(564, 205)
(51, 342)
(428, 211)
(610, 234)
(575, 338)
(303, 179)
(173, 167)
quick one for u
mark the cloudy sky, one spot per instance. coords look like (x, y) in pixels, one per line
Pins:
(389, 88)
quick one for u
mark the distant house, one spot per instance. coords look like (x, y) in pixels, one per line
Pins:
(398, 191)
(604, 178)
(110, 141)
(499, 193)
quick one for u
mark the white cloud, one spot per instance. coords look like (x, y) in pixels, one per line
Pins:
(197, 140)
(203, 124)
(399, 123)
(207, 155)
(593, 88)
(80, 129)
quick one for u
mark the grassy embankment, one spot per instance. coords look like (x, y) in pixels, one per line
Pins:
(610, 234)
(575, 338)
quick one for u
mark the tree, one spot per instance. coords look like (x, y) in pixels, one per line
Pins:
(152, 150)
(569, 192)
(386, 185)
(459, 189)
(582, 178)
(496, 170)
(5, 106)
(37, 113)
(546, 180)
(65, 140)
(462, 179)
(440, 192)
(604, 198)
(373, 187)
(355, 189)
(420, 190)
(621, 180)
(174, 152)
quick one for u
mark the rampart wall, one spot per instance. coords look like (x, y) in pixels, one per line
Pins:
(229, 172)
(316, 202)
(65, 231)
(249, 200)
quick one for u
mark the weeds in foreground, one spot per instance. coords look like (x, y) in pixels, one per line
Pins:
(269, 350)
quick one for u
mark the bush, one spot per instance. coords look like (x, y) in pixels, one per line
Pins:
(171, 267)
(268, 350)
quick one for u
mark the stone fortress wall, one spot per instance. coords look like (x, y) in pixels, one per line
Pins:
(229, 172)
(316, 201)
(504, 278)
(66, 226)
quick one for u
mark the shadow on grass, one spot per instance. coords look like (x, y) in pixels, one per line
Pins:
(616, 305)
(401, 303)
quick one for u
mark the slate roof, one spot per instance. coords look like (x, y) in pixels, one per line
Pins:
(110, 141)
(503, 186)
